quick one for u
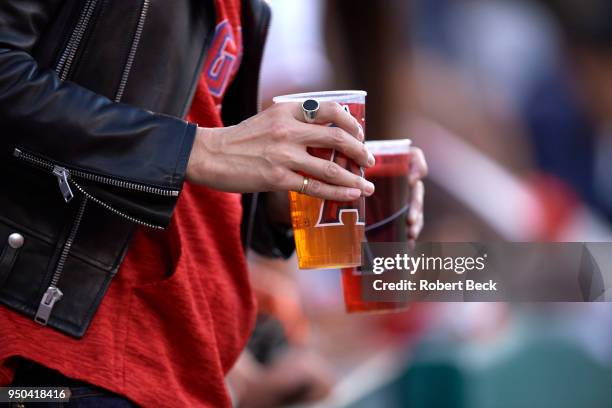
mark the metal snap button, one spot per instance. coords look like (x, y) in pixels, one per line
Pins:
(16, 240)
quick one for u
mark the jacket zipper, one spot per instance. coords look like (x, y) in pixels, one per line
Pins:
(65, 177)
(53, 293)
(132, 54)
(67, 58)
(50, 166)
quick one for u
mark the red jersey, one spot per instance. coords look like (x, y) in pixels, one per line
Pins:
(180, 310)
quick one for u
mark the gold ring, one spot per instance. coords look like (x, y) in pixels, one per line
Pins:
(304, 185)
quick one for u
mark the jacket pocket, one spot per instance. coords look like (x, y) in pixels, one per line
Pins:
(25, 275)
(83, 287)
(23, 270)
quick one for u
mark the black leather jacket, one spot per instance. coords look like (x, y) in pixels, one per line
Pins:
(91, 145)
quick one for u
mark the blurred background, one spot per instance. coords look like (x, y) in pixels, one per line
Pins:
(511, 101)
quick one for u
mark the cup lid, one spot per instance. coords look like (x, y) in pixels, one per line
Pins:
(337, 96)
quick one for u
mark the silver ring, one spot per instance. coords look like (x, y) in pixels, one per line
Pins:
(310, 108)
(304, 187)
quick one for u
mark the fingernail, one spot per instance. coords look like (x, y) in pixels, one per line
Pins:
(361, 134)
(414, 231)
(371, 159)
(353, 193)
(369, 188)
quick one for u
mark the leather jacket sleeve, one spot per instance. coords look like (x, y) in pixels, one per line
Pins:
(67, 125)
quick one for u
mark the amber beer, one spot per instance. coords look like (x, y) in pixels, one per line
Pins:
(328, 234)
(386, 211)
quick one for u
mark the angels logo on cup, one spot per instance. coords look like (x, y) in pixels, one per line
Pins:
(331, 212)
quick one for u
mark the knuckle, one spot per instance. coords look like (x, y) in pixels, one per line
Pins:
(338, 193)
(363, 151)
(337, 110)
(315, 186)
(358, 182)
(276, 176)
(332, 111)
(331, 171)
(357, 131)
(337, 136)
(344, 194)
(279, 130)
(334, 195)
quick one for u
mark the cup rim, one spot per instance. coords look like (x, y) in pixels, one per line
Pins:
(338, 96)
(388, 147)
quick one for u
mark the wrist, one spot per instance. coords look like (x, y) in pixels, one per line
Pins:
(198, 166)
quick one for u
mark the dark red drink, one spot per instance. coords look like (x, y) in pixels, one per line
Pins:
(386, 212)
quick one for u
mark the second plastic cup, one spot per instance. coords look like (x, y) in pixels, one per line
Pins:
(328, 234)
(386, 210)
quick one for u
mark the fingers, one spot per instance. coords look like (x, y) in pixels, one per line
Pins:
(418, 166)
(346, 135)
(332, 173)
(415, 230)
(336, 138)
(418, 170)
(415, 216)
(320, 189)
(332, 112)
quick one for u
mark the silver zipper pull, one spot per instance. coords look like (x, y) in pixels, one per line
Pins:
(62, 179)
(51, 296)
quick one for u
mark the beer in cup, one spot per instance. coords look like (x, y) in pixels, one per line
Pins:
(328, 233)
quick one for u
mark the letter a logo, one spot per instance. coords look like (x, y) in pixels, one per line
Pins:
(331, 211)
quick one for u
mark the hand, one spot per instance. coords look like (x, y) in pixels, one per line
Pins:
(266, 152)
(418, 170)
(278, 207)
(296, 377)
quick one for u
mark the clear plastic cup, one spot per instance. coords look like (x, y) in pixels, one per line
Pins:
(328, 234)
(386, 210)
